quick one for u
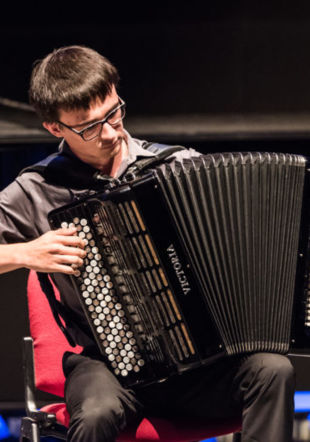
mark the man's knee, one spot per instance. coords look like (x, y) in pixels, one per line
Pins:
(277, 365)
(271, 368)
(108, 415)
(98, 421)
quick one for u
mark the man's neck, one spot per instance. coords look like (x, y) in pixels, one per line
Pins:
(106, 168)
(112, 168)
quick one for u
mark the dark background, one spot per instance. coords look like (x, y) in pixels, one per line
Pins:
(214, 75)
(223, 57)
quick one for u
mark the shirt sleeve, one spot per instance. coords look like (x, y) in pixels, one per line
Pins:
(17, 222)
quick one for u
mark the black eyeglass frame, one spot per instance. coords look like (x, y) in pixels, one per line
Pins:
(102, 122)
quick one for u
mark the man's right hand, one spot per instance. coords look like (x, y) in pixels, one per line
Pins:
(55, 251)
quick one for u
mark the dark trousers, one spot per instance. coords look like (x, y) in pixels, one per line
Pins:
(258, 387)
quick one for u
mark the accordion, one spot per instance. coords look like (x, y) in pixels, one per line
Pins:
(194, 260)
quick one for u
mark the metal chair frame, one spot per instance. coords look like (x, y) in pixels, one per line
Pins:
(36, 423)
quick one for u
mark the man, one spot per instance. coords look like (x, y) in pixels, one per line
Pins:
(74, 91)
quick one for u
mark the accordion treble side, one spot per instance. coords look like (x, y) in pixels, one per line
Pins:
(194, 260)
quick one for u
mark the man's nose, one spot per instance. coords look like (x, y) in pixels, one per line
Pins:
(107, 131)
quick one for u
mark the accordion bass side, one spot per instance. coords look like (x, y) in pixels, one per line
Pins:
(194, 260)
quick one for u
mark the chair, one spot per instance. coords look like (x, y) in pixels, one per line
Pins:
(43, 371)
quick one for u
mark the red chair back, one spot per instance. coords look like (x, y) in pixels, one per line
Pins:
(49, 341)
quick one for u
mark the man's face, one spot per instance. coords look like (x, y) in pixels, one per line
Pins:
(101, 151)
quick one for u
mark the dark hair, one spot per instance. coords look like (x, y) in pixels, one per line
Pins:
(70, 78)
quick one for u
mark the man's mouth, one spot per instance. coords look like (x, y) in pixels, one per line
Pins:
(110, 146)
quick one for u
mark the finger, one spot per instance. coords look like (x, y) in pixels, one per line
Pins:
(66, 231)
(56, 268)
(73, 241)
(67, 269)
(69, 260)
(68, 250)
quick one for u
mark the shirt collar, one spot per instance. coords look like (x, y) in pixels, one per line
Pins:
(135, 151)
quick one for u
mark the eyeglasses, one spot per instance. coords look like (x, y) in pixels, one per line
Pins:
(93, 130)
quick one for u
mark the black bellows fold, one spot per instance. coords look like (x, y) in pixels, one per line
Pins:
(238, 215)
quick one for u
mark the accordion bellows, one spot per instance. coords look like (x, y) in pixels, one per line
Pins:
(240, 216)
(195, 259)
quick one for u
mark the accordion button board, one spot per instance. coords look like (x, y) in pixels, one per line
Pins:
(194, 260)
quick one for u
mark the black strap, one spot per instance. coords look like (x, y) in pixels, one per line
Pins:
(56, 307)
(67, 170)
(158, 147)
(141, 165)
(161, 151)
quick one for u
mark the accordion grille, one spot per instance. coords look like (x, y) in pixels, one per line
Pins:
(151, 277)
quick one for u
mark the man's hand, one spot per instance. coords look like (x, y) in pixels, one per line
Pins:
(56, 251)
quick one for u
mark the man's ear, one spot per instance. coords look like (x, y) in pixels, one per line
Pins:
(54, 128)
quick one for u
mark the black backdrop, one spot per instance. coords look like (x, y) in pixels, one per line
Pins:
(239, 56)
(228, 58)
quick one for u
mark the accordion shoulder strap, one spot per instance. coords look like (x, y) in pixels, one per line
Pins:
(162, 152)
(56, 307)
(157, 148)
(65, 170)
(60, 313)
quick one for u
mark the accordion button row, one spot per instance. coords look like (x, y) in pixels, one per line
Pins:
(106, 313)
